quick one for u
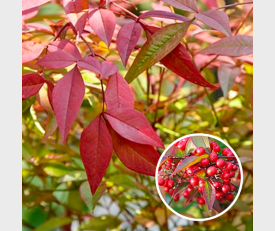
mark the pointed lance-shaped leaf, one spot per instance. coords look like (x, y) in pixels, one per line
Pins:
(187, 5)
(77, 12)
(127, 39)
(215, 19)
(187, 162)
(237, 45)
(209, 192)
(139, 158)
(133, 126)
(118, 93)
(29, 4)
(103, 23)
(68, 95)
(226, 75)
(31, 84)
(156, 48)
(108, 69)
(66, 46)
(201, 141)
(180, 62)
(57, 60)
(91, 64)
(96, 151)
(164, 14)
(31, 50)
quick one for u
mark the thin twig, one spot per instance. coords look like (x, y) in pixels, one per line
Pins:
(103, 96)
(233, 5)
(243, 22)
(162, 70)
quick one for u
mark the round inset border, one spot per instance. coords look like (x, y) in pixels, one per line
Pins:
(208, 218)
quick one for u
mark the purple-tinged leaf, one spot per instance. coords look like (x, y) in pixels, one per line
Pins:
(133, 125)
(191, 196)
(187, 162)
(217, 206)
(65, 46)
(77, 12)
(57, 60)
(215, 19)
(103, 23)
(108, 69)
(190, 146)
(187, 5)
(29, 4)
(127, 39)
(231, 46)
(209, 194)
(181, 187)
(201, 141)
(30, 13)
(96, 151)
(51, 127)
(31, 84)
(160, 44)
(31, 50)
(139, 158)
(91, 64)
(164, 14)
(226, 75)
(118, 93)
(68, 95)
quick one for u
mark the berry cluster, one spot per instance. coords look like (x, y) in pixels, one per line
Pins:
(218, 170)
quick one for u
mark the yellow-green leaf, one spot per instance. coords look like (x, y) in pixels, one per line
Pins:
(156, 48)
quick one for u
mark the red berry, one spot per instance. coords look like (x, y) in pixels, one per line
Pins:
(161, 181)
(201, 183)
(226, 175)
(171, 191)
(166, 189)
(193, 153)
(225, 188)
(232, 174)
(230, 155)
(213, 157)
(176, 197)
(226, 180)
(217, 185)
(211, 171)
(200, 151)
(204, 162)
(182, 144)
(234, 167)
(229, 165)
(169, 165)
(201, 200)
(219, 195)
(232, 188)
(220, 163)
(189, 171)
(165, 183)
(225, 151)
(170, 183)
(170, 160)
(185, 194)
(194, 181)
(216, 148)
(200, 189)
(229, 196)
(212, 144)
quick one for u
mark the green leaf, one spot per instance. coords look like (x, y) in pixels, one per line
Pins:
(201, 173)
(100, 223)
(55, 169)
(209, 192)
(190, 146)
(175, 151)
(73, 176)
(201, 141)
(187, 162)
(54, 223)
(86, 195)
(156, 48)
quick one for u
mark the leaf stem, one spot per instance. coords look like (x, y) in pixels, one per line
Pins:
(232, 5)
(162, 71)
(61, 30)
(88, 45)
(103, 95)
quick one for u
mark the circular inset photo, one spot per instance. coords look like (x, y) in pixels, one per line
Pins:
(199, 177)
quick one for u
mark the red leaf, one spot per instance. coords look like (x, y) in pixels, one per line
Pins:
(127, 39)
(68, 95)
(31, 84)
(226, 75)
(65, 46)
(118, 93)
(29, 4)
(96, 151)
(103, 23)
(139, 158)
(30, 13)
(232, 46)
(133, 126)
(187, 5)
(91, 64)
(216, 19)
(31, 50)
(180, 62)
(77, 12)
(108, 69)
(57, 60)
(164, 14)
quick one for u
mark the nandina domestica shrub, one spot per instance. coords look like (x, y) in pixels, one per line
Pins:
(196, 169)
(107, 84)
